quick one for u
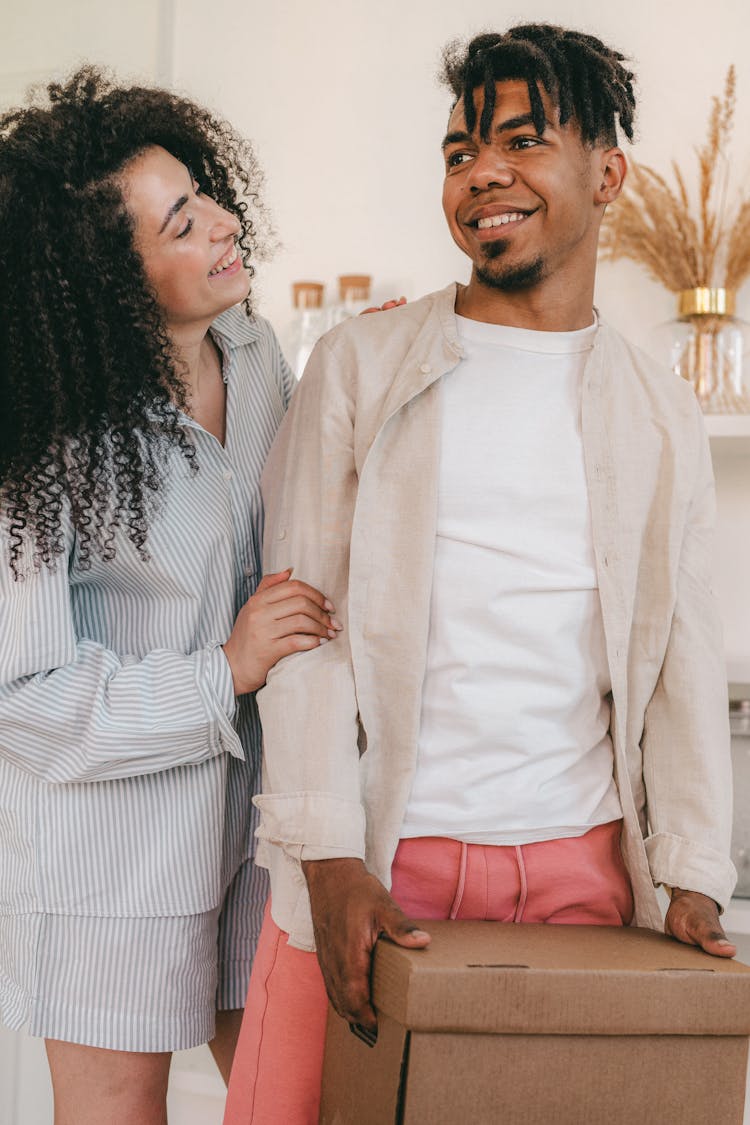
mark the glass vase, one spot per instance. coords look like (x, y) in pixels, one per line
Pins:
(710, 348)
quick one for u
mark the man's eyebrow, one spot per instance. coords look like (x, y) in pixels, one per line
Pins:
(514, 122)
(173, 211)
(458, 136)
(517, 122)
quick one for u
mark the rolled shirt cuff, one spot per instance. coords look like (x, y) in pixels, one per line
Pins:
(312, 825)
(677, 862)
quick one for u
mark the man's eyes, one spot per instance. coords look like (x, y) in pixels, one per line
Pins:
(525, 141)
(455, 159)
(521, 143)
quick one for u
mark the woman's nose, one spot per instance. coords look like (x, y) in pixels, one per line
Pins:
(224, 224)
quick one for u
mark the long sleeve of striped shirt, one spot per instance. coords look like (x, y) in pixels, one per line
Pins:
(115, 669)
(72, 709)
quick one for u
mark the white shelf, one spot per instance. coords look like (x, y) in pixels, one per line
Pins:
(736, 917)
(728, 425)
(729, 433)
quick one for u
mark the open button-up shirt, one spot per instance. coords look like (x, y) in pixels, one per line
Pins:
(351, 500)
(126, 768)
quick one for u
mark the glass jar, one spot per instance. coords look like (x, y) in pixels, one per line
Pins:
(354, 297)
(739, 724)
(309, 324)
(710, 348)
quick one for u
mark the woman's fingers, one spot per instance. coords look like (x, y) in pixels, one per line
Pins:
(293, 589)
(293, 607)
(270, 580)
(303, 623)
(296, 642)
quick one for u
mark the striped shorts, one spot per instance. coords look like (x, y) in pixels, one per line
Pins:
(147, 984)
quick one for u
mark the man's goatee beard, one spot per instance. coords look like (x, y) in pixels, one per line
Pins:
(512, 278)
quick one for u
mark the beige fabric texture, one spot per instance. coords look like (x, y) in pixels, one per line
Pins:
(351, 500)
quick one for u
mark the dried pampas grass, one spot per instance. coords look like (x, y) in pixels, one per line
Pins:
(654, 224)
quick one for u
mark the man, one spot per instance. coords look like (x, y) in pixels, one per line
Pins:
(514, 506)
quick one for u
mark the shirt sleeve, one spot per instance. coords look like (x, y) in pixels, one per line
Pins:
(310, 806)
(73, 710)
(686, 755)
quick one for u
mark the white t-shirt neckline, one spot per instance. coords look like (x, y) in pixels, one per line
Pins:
(528, 339)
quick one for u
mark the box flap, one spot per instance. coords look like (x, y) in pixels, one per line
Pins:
(589, 980)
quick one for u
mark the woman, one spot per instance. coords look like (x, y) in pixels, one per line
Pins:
(139, 402)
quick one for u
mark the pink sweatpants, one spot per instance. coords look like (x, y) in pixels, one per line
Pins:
(279, 1060)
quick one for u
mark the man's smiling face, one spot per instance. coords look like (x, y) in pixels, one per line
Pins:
(520, 205)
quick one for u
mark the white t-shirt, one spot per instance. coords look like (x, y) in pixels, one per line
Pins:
(514, 744)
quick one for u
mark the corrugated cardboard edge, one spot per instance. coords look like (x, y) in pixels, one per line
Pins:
(494, 977)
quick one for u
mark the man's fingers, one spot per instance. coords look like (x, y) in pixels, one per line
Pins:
(694, 920)
(351, 909)
(356, 1006)
(715, 941)
(356, 1001)
(348, 987)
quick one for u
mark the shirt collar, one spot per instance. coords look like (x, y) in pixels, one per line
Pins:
(235, 327)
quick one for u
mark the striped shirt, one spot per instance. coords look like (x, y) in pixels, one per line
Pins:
(126, 765)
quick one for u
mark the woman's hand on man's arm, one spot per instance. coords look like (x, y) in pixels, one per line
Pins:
(283, 616)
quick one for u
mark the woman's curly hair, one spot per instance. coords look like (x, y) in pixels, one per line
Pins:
(89, 381)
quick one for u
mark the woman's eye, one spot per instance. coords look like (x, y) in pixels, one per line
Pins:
(186, 229)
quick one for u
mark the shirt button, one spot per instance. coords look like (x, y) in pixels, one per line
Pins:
(282, 534)
(248, 571)
(425, 368)
(227, 474)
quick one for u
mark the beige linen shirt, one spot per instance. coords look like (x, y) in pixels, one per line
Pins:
(351, 502)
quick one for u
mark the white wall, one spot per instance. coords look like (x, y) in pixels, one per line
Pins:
(342, 101)
(40, 39)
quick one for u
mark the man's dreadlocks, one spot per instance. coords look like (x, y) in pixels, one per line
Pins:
(585, 79)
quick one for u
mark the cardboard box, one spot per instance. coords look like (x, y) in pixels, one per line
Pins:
(544, 1025)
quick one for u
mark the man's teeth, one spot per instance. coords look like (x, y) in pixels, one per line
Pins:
(228, 260)
(501, 220)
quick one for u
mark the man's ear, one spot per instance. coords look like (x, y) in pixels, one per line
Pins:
(611, 172)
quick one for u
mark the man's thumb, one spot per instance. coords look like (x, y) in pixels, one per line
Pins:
(402, 931)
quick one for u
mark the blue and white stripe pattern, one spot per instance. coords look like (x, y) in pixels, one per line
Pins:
(126, 770)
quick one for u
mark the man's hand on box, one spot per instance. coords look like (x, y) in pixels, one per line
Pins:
(693, 918)
(350, 911)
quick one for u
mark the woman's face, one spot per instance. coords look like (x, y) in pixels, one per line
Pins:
(186, 240)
